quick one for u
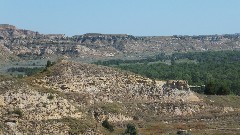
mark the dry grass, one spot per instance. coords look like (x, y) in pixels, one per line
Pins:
(193, 127)
(229, 100)
(154, 128)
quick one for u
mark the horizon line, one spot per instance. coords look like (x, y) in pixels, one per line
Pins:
(10, 26)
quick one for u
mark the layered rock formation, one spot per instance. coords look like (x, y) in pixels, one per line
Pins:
(31, 45)
(11, 32)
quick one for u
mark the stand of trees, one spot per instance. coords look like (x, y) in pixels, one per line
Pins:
(26, 70)
(31, 70)
(213, 89)
(221, 69)
(159, 57)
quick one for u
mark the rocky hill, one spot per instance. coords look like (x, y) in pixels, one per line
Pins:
(74, 98)
(33, 45)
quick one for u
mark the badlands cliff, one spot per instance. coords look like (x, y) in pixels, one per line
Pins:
(26, 44)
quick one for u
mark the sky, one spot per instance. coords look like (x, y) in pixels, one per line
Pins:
(134, 17)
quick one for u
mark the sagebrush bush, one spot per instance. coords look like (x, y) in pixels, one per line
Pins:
(107, 125)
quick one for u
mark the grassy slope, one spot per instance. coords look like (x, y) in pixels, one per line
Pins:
(227, 101)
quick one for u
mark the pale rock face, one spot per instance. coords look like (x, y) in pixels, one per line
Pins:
(36, 50)
(118, 118)
(192, 97)
(21, 50)
(48, 51)
(2, 103)
(228, 109)
(40, 106)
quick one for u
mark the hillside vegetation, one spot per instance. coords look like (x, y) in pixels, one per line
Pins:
(220, 68)
(73, 98)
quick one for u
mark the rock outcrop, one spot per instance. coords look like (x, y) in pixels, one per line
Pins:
(108, 84)
(2, 103)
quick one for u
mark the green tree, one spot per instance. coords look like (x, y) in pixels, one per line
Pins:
(223, 90)
(131, 130)
(210, 89)
(49, 63)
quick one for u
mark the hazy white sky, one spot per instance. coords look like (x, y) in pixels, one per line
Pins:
(136, 17)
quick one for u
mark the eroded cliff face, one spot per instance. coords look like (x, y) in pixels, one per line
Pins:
(28, 44)
(6, 54)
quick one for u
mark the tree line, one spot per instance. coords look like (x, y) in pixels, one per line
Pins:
(26, 70)
(219, 71)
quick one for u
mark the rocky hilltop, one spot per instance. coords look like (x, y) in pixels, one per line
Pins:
(11, 32)
(28, 44)
(74, 98)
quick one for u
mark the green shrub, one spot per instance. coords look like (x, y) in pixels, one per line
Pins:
(107, 125)
(210, 89)
(50, 97)
(17, 111)
(49, 64)
(223, 90)
(183, 132)
(131, 130)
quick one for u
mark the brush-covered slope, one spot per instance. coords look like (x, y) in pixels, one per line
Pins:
(74, 98)
(108, 84)
(98, 84)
